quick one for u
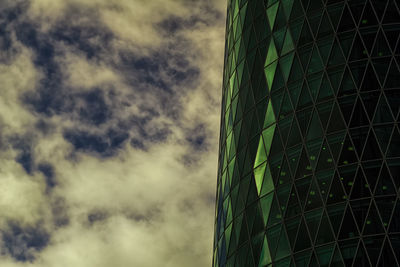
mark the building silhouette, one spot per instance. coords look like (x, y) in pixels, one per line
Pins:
(309, 157)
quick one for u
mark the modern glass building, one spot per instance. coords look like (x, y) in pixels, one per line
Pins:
(309, 163)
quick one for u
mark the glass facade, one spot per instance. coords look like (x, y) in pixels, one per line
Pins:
(309, 158)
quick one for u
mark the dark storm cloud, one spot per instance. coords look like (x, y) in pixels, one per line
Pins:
(23, 146)
(104, 144)
(21, 243)
(48, 171)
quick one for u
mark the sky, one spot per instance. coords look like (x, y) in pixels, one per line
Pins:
(109, 127)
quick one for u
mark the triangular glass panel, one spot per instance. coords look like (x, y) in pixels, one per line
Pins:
(361, 258)
(371, 171)
(324, 46)
(347, 176)
(314, 82)
(359, 137)
(368, 38)
(325, 91)
(293, 206)
(370, 101)
(303, 239)
(304, 55)
(278, 81)
(283, 248)
(392, 150)
(381, 48)
(324, 254)
(296, 72)
(368, 18)
(360, 188)
(324, 181)
(314, 20)
(265, 256)
(348, 228)
(273, 238)
(313, 219)
(288, 43)
(356, 8)
(284, 262)
(270, 74)
(275, 214)
(347, 87)
(371, 149)
(392, 14)
(287, 7)
(373, 224)
(292, 226)
(313, 149)
(334, 12)
(381, 67)
(256, 245)
(373, 246)
(385, 206)
(271, 14)
(294, 90)
(392, 81)
(395, 222)
(348, 249)
(360, 210)
(314, 198)
(295, 136)
(305, 98)
(384, 185)
(335, 214)
(294, 157)
(269, 116)
(305, 36)
(325, 160)
(383, 113)
(337, 259)
(370, 82)
(387, 258)
(313, 260)
(346, 22)
(268, 183)
(302, 259)
(348, 154)
(286, 64)
(325, 234)
(282, 192)
(284, 174)
(336, 122)
(302, 187)
(357, 70)
(335, 142)
(284, 127)
(325, 28)
(335, 75)
(266, 203)
(303, 118)
(346, 41)
(259, 176)
(280, 20)
(316, 63)
(358, 51)
(304, 167)
(336, 193)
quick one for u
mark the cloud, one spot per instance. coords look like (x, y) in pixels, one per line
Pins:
(109, 125)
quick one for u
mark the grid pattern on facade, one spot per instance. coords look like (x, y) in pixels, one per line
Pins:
(309, 163)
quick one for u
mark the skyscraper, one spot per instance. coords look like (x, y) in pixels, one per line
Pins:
(309, 163)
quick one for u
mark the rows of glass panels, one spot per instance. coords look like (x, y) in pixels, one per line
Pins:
(309, 169)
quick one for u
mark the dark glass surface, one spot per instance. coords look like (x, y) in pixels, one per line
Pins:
(309, 162)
